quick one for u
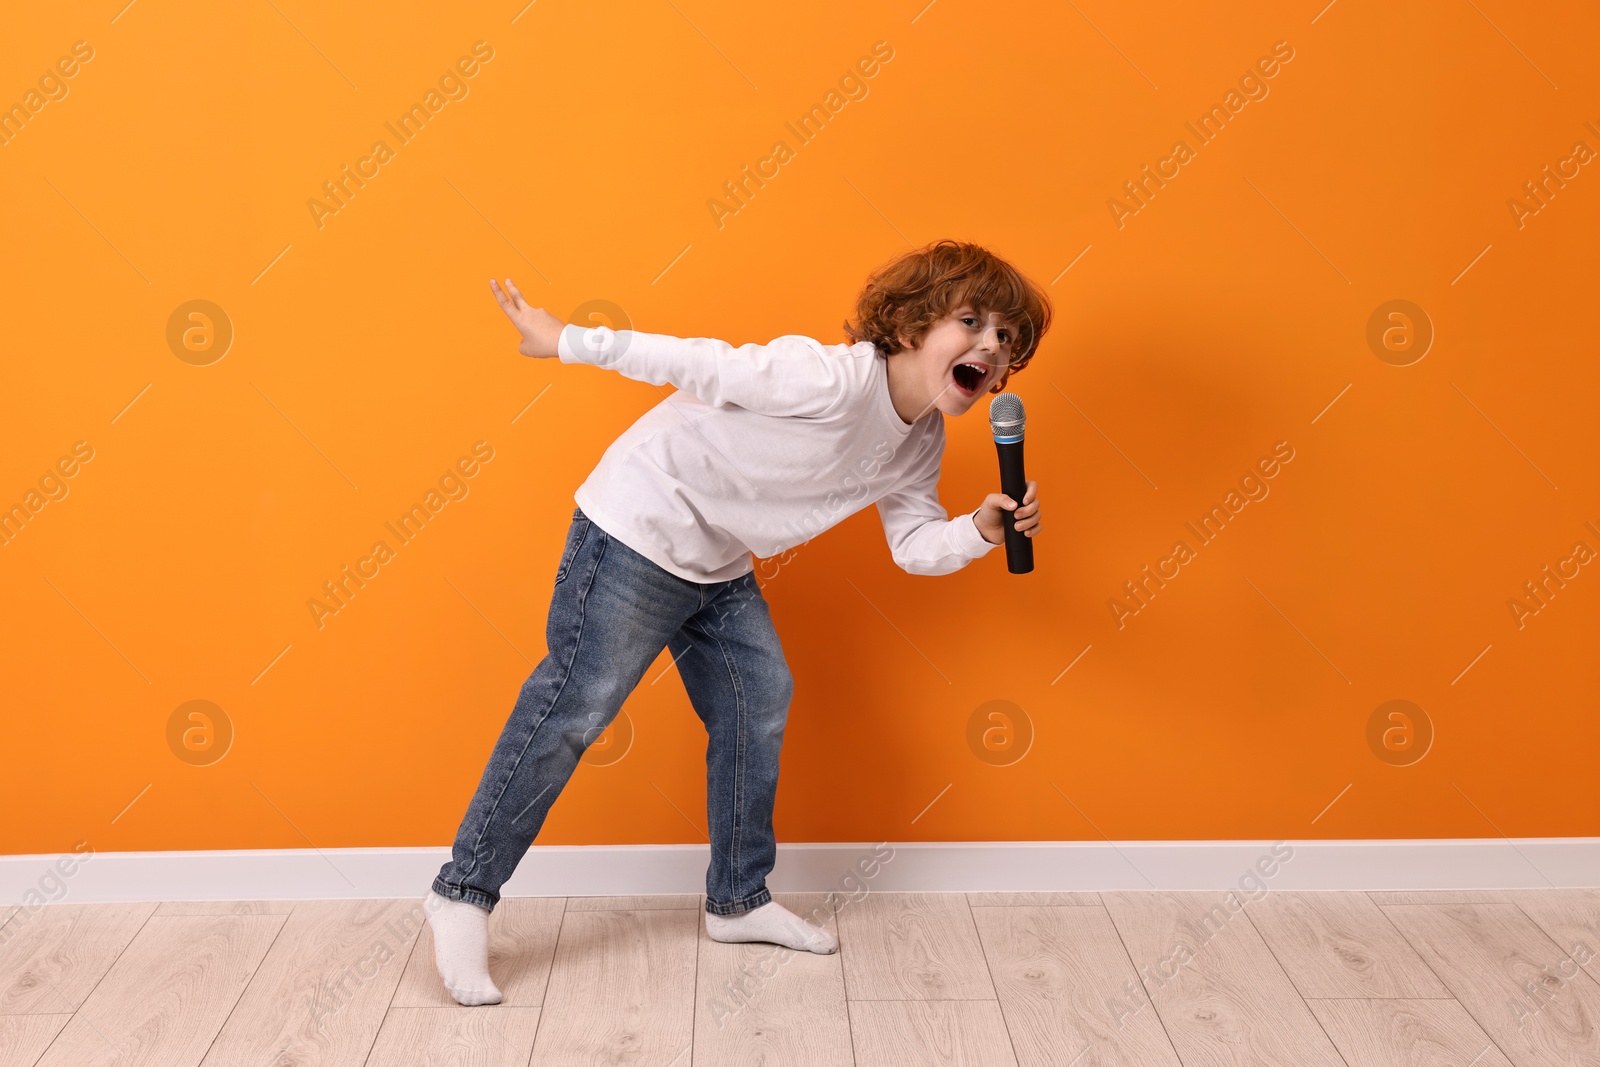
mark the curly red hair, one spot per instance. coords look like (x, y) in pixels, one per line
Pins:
(907, 295)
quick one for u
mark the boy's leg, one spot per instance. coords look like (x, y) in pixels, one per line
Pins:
(733, 667)
(736, 677)
(612, 612)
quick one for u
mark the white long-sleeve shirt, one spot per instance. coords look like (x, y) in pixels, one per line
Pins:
(762, 448)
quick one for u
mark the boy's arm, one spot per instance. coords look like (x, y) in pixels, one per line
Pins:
(923, 539)
(792, 375)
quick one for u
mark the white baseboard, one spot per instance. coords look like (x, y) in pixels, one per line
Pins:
(617, 870)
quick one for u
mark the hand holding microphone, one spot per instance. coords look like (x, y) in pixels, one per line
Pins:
(1012, 513)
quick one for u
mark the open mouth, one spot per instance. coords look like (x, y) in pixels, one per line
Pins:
(969, 377)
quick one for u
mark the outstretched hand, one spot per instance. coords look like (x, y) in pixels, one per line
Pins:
(540, 329)
(989, 520)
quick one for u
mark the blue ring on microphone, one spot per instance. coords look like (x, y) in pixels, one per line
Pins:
(1007, 440)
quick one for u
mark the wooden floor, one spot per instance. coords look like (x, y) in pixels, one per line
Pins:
(1464, 979)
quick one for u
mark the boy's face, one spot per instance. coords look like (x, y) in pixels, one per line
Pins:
(960, 358)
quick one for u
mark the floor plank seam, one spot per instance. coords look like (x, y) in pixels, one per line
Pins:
(378, 1033)
(389, 1007)
(989, 967)
(923, 1000)
(1539, 926)
(253, 975)
(549, 972)
(549, 976)
(694, 1000)
(1337, 1051)
(844, 982)
(109, 969)
(1395, 927)
(1373, 1000)
(90, 993)
(1482, 1024)
(1137, 973)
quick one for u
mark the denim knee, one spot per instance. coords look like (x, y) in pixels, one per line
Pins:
(770, 713)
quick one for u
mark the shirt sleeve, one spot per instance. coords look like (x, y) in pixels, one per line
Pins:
(923, 539)
(792, 375)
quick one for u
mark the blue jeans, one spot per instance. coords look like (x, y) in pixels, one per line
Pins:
(612, 612)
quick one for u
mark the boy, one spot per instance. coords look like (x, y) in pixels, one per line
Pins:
(761, 448)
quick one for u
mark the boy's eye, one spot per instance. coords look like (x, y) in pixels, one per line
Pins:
(1004, 335)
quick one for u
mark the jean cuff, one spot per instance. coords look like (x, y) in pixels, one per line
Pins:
(739, 907)
(470, 896)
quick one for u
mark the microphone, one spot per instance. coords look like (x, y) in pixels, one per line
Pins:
(1007, 420)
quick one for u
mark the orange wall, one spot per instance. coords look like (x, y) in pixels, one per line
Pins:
(1221, 318)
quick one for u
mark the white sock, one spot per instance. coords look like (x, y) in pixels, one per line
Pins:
(461, 949)
(771, 922)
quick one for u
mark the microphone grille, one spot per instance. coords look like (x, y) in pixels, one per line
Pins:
(1006, 417)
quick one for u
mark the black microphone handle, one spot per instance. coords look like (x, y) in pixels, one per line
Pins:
(1014, 484)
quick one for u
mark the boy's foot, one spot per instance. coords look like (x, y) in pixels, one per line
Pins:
(461, 949)
(771, 922)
